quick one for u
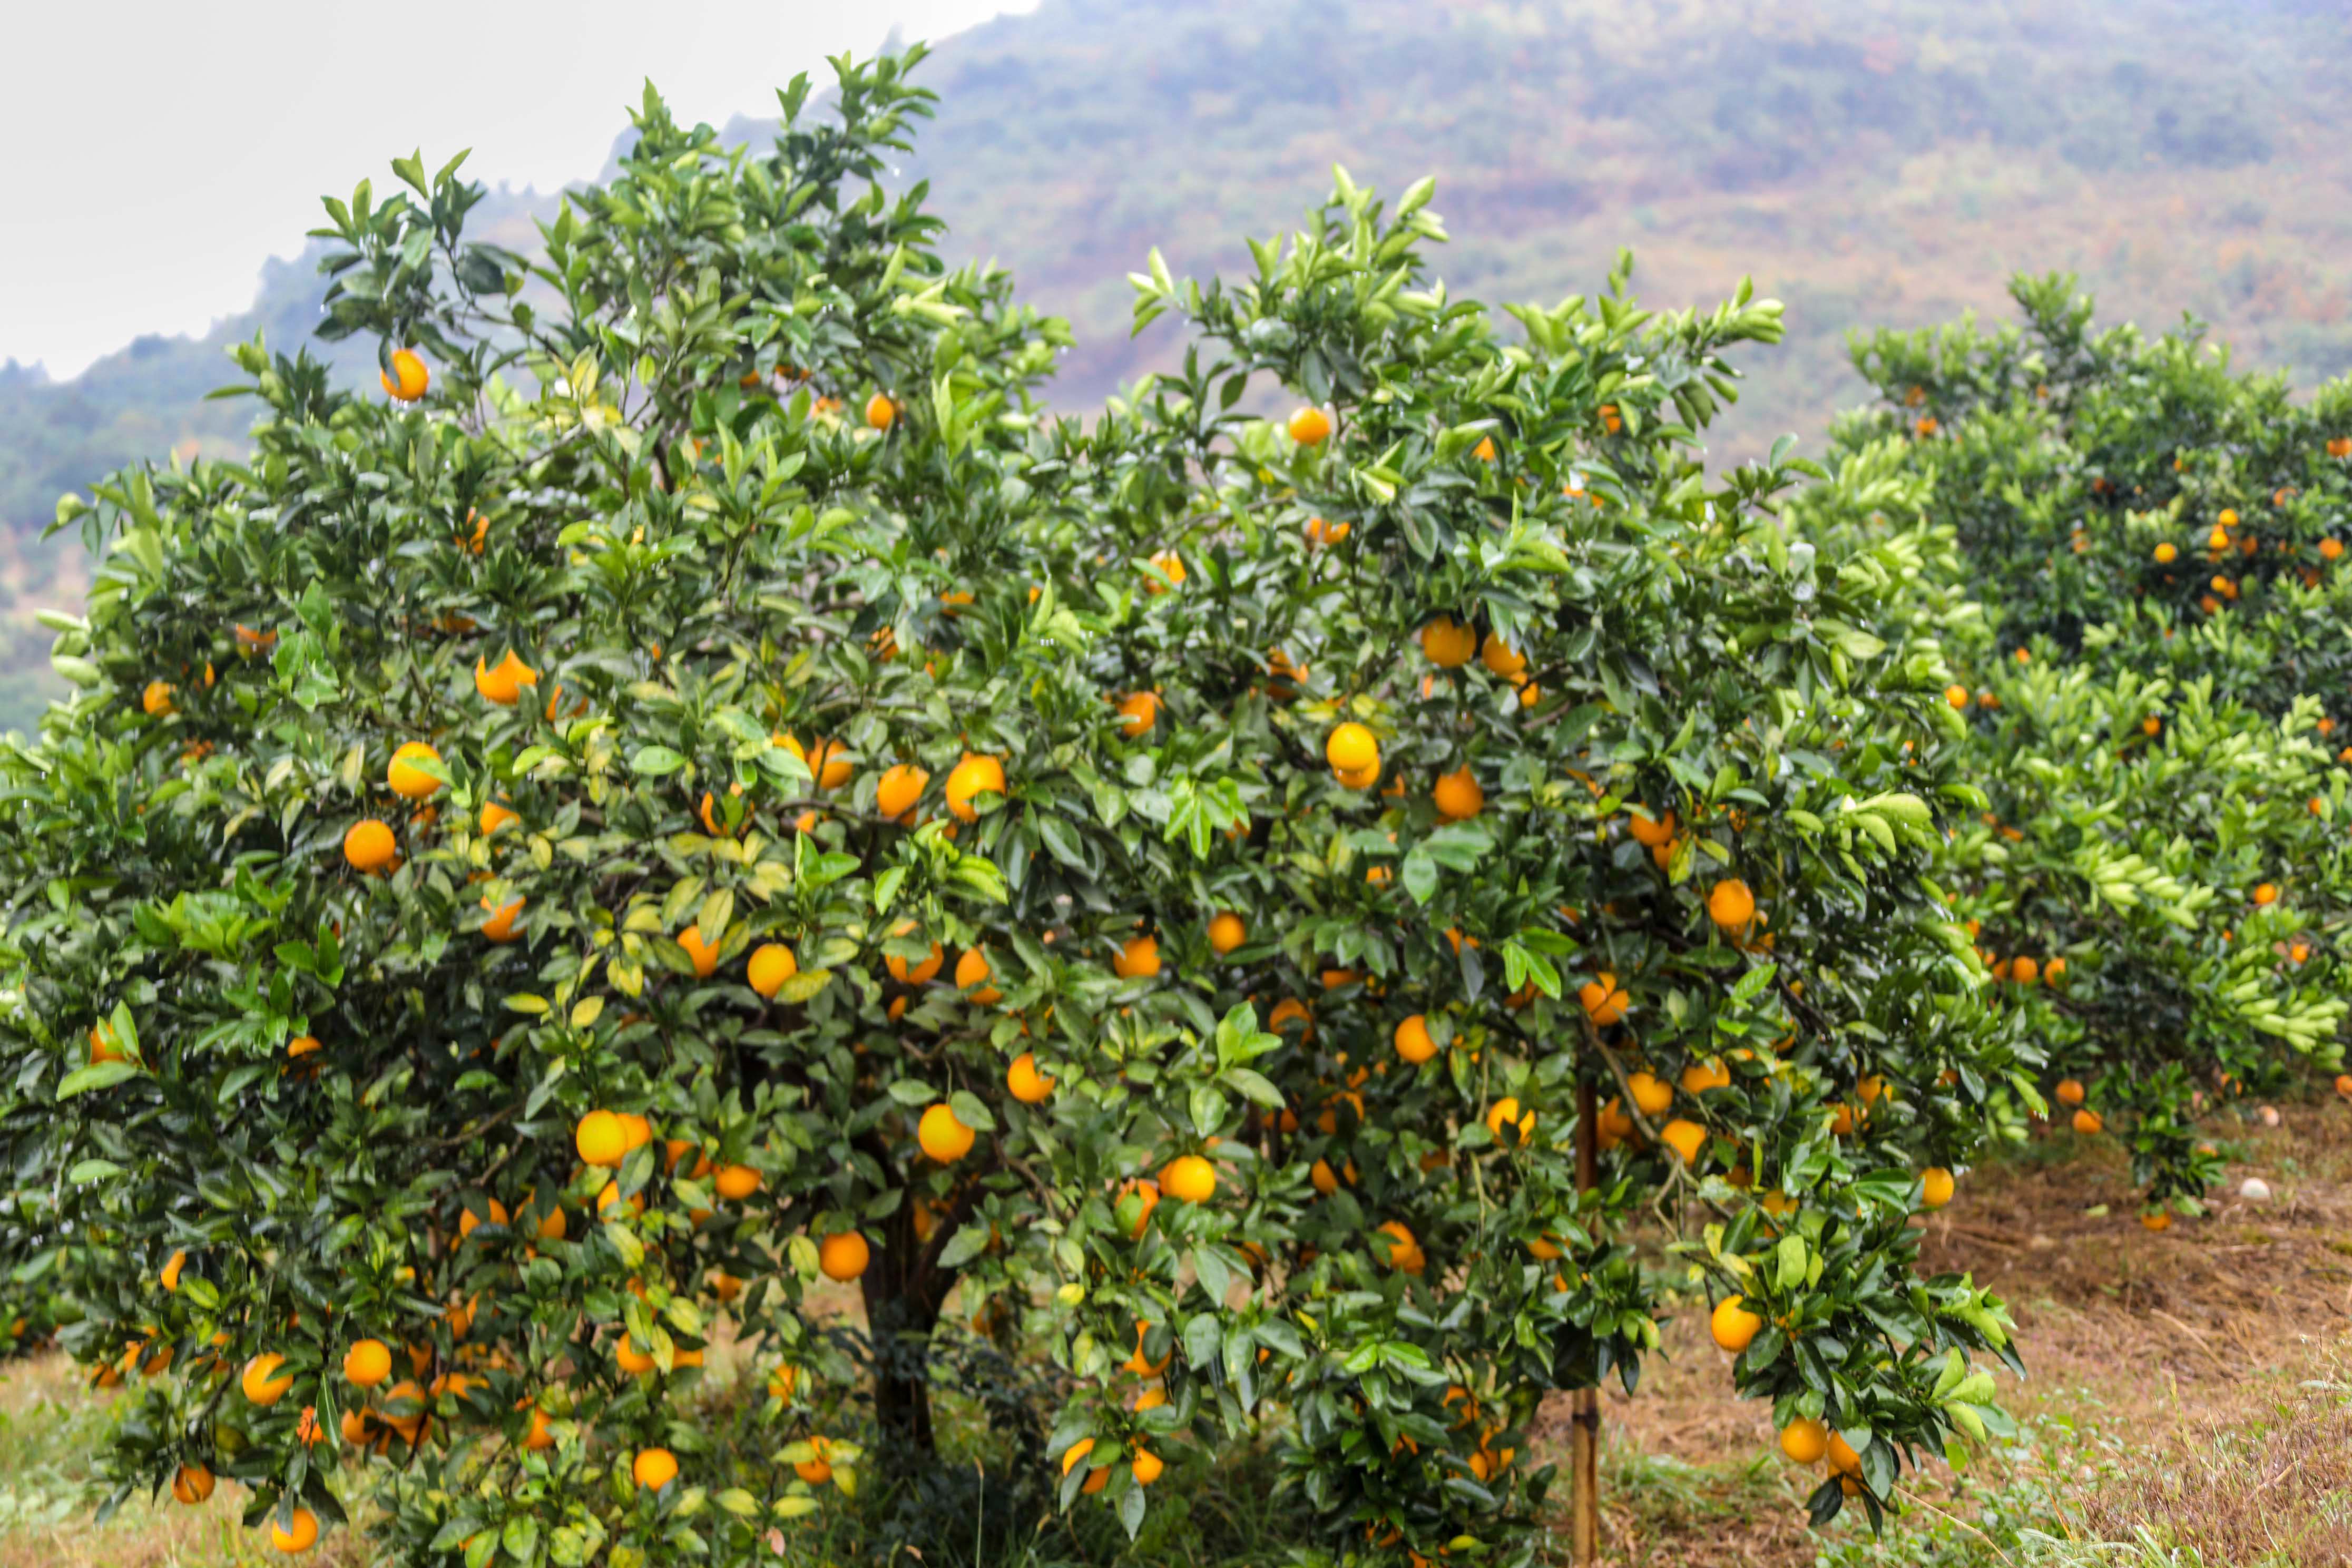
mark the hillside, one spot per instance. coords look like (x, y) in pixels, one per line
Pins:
(1869, 162)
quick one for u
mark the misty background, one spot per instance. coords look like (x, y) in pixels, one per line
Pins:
(1869, 161)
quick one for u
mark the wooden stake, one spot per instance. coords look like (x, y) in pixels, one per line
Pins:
(1584, 1404)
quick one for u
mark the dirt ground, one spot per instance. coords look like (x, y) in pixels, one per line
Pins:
(2194, 1381)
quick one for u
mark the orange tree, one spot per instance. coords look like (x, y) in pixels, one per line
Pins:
(703, 799)
(2157, 691)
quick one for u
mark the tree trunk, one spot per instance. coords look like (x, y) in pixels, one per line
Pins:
(1584, 1404)
(903, 1295)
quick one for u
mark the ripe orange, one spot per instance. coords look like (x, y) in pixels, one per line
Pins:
(1148, 1466)
(1730, 905)
(368, 846)
(169, 1276)
(913, 974)
(654, 1468)
(1447, 643)
(500, 926)
(1404, 1251)
(942, 1137)
(1732, 1325)
(1700, 1077)
(772, 965)
(600, 1139)
(1684, 1138)
(262, 1382)
(1458, 794)
(2166, 553)
(1412, 1040)
(367, 1363)
(2157, 1219)
(494, 817)
(1502, 658)
(1310, 426)
(1026, 1083)
(193, 1484)
(156, 701)
(406, 377)
(1650, 1094)
(1843, 1461)
(1603, 1003)
(1935, 1186)
(2024, 971)
(843, 1256)
(880, 412)
(300, 1532)
(1650, 832)
(1957, 695)
(1226, 931)
(1189, 1179)
(407, 780)
(702, 954)
(1138, 712)
(736, 1182)
(1805, 1440)
(899, 788)
(973, 776)
(1362, 780)
(2266, 894)
(2070, 1091)
(2088, 1121)
(817, 1468)
(1506, 1112)
(1352, 749)
(1145, 1192)
(1137, 959)
(502, 683)
(972, 971)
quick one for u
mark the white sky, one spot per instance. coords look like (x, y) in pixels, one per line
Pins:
(160, 151)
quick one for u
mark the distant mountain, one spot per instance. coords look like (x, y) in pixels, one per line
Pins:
(1869, 162)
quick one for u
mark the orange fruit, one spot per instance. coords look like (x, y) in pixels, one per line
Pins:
(404, 381)
(654, 1468)
(899, 789)
(156, 701)
(1957, 695)
(913, 974)
(2266, 894)
(368, 846)
(2157, 1219)
(1502, 658)
(973, 776)
(1310, 426)
(262, 1381)
(1146, 1193)
(1137, 959)
(407, 780)
(2069, 1092)
(1320, 532)
(300, 1531)
(494, 817)
(1189, 1179)
(1458, 795)
(1026, 1083)
(1843, 1461)
(1448, 644)
(843, 1256)
(1412, 1040)
(1148, 1466)
(367, 1363)
(972, 971)
(1603, 1003)
(942, 1137)
(169, 1276)
(1935, 1186)
(736, 1182)
(1651, 832)
(503, 682)
(500, 926)
(772, 965)
(600, 1139)
(1226, 931)
(1138, 712)
(193, 1484)
(1730, 905)
(1684, 1138)
(1650, 1094)
(1732, 1324)
(704, 955)
(1805, 1440)
(1504, 1112)
(1352, 749)
(880, 412)
(2088, 1121)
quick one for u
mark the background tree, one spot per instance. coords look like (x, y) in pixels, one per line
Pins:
(2156, 701)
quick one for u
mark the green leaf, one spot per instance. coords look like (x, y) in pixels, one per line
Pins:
(654, 762)
(99, 1075)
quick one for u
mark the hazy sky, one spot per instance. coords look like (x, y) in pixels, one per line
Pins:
(159, 152)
